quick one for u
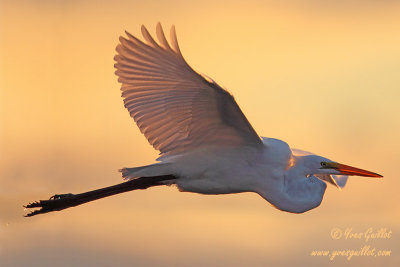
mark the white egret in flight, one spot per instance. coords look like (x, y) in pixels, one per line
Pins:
(206, 143)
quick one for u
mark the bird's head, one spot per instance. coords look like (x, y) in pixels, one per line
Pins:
(319, 165)
(331, 171)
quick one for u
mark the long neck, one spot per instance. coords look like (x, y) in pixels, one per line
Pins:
(298, 194)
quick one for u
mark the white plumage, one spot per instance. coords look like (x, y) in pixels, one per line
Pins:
(203, 137)
(174, 107)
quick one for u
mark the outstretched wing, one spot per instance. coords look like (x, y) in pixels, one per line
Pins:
(174, 107)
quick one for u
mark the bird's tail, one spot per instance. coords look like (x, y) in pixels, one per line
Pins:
(146, 171)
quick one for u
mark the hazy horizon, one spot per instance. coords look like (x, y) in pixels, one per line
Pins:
(322, 76)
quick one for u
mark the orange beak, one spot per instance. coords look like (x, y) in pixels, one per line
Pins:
(348, 170)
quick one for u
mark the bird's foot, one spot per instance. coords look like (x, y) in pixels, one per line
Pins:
(55, 203)
(61, 196)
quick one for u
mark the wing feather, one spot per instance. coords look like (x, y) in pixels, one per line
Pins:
(174, 107)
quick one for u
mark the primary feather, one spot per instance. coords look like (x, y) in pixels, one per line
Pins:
(176, 108)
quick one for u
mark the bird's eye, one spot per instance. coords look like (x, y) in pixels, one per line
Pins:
(323, 164)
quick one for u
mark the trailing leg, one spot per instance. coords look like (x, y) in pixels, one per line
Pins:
(64, 201)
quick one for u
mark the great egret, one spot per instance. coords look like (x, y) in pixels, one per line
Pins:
(206, 143)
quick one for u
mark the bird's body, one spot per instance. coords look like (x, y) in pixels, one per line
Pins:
(264, 170)
(206, 143)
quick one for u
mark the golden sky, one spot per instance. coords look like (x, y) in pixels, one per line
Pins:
(320, 75)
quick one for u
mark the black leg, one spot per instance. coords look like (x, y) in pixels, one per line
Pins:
(64, 201)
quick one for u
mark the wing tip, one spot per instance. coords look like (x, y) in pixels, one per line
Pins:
(128, 34)
(163, 43)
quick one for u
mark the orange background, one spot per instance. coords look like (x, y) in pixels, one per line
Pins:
(321, 75)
